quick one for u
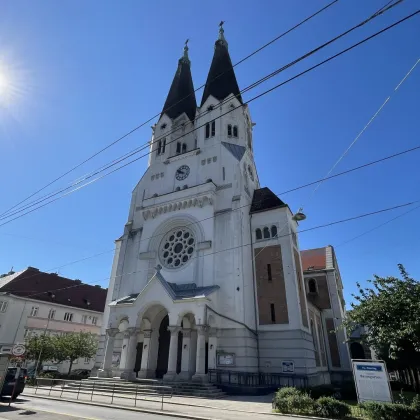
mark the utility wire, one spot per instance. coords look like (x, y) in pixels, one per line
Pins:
(367, 125)
(377, 227)
(232, 109)
(167, 109)
(360, 216)
(7, 214)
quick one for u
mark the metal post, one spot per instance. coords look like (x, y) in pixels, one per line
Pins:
(163, 393)
(52, 381)
(112, 398)
(93, 388)
(78, 391)
(36, 385)
(62, 388)
(135, 398)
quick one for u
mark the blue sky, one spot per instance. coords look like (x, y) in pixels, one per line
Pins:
(84, 73)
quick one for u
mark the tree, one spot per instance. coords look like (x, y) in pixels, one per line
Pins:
(40, 348)
(389, 308)
(74, 346)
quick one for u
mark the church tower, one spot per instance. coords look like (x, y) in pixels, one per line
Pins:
(190, 292)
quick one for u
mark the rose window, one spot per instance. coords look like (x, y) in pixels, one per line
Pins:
(177, 247)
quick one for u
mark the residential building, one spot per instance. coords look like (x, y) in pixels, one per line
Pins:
(35, 302)
(207, 276)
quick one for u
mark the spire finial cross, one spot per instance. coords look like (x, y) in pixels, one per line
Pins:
(222, 32)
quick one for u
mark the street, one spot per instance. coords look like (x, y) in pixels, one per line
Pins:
(45, 409)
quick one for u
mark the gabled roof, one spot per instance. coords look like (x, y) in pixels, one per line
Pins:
(181, 96)
(237, 151)
(265, 199)
(37, 285)
(175, 291)
(314, 259)
(221, 80)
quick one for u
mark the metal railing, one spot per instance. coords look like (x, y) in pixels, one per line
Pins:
(255, 379)
(97, 388)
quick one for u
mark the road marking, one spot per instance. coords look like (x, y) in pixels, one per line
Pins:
(61, 414)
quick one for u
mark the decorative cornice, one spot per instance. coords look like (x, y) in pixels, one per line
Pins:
(112, 332)
(174, 329)
(155, 211)
(147, 333)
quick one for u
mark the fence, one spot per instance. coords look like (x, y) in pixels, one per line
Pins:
(87, 390)
(410, 377)
(255, 379)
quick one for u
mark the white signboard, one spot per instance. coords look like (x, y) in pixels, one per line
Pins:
(371, 380)
(226, 359)
(288, 366)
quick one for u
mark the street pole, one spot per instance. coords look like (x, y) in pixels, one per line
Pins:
(40, 351)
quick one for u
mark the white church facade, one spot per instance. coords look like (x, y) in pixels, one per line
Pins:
(207, 276)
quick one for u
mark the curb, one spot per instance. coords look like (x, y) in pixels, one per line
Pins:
(169, 413)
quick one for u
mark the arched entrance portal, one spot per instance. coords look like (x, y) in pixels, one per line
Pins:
(357, 351)
(163, 352)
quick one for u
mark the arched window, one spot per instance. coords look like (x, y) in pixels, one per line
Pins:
(184, 147)
(357, 351)
(266, 232)
(178, 148)
(235, 131)
(163, 146)
(274, 231)
(229, 130)
(258, 234)
(312, 286)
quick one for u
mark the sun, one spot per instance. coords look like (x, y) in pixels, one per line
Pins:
(3, 83)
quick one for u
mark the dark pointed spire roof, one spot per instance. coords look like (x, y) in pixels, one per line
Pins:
(181, 96)
(221, 81)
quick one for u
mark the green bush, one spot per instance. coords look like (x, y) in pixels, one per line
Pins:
(388, 411)
(321, 391)
(293, 401)
(332, 408)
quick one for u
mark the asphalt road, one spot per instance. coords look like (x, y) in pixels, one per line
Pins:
(42, 409)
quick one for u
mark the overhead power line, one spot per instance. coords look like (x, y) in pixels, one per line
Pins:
(360, 216)
(167, 109)
(232, 109)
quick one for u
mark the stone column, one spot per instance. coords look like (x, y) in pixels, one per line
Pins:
(128, 354)
(106, 371)
(212, 348)
(173, 353)
(145, 370)
(185, 373)
(200, 363)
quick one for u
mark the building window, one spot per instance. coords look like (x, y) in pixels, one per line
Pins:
(34, 311)
(258, 234)
(266, 232)
(274, 231)
(223, 172)
(178, 148)
(229, 130)
(235, 131)
(210, 129)
(312, 286)
(270, 278)
(184, 147)
(273, 313)
(207, 130)
(94, 320)
(3, 305)
(68, 316)
(51, 314)
(213, 128)
(84, 319)
(87, 359)
(163, 146)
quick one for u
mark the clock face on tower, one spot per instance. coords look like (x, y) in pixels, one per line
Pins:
(182, 172)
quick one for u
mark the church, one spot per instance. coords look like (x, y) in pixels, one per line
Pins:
(208, 279)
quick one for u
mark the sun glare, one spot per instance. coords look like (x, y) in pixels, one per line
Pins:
(3, 84)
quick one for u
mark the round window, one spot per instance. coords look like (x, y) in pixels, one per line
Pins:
(177, 248)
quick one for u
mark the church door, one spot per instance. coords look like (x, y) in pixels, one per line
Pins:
(163, 352)
(139, 354)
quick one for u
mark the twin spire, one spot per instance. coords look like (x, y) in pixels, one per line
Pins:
(221, 81)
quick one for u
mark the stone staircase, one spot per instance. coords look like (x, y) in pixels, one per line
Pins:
(144, 387)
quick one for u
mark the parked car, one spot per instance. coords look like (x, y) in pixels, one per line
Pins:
(9, 382)
(84, 373)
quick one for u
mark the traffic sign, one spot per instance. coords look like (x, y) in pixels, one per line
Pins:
(18, 350)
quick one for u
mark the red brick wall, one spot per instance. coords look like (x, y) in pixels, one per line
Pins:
(322, 299)
(274, 291)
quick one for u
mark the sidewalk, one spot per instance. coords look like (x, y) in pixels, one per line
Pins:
(229, 408)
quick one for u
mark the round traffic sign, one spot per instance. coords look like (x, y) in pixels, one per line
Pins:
(18, 350)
